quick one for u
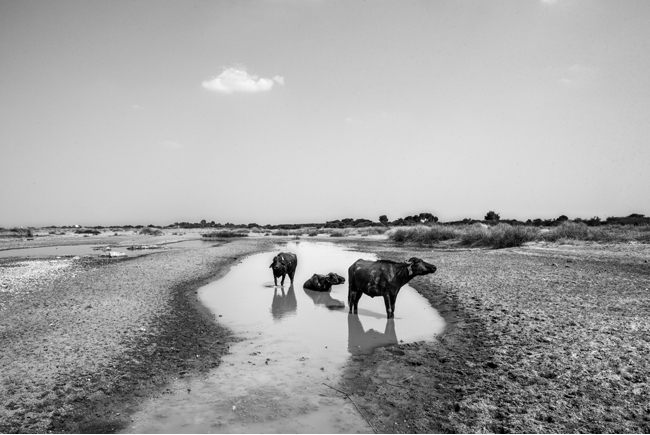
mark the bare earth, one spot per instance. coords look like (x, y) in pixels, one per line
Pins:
(543, 338)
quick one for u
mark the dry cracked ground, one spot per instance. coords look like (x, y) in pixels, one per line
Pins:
(542, 338)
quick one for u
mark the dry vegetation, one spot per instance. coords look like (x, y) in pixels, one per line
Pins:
(508, 236)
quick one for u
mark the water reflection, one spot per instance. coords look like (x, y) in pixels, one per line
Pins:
(272, 380)
(325, 299)
(362, 342)
(283, 304)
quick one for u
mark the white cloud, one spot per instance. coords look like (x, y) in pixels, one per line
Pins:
(578, 75)
(549, 2)
(238, 80)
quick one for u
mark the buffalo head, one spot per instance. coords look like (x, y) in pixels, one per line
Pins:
(279, 264)
(335, 279)
(418, 267)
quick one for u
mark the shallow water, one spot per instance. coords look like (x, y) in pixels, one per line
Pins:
(295, 341)
(194, 244)
(68, 250)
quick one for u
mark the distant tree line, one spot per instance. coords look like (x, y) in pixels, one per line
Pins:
(490, 218)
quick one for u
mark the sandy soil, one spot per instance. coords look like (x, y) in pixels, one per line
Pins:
(84, 339)
(544, 338)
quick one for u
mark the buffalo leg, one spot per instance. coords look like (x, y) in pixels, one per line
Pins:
(389, 307)
(353, 296)
(393, 299)
(282, 282)
(355, 302)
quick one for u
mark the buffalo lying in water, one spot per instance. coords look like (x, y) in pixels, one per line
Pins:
(323, 283)
(383, 278)
(284, 264)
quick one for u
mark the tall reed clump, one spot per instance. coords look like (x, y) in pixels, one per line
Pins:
(225, 234)
(371, 231)
(609, 233)
(343, 232)
(499, 236)
(423, 234)
(150, 231)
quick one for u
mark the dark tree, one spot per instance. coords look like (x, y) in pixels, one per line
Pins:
(383, 219)
(428, 218)
(492, 216)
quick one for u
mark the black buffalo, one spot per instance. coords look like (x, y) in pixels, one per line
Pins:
(383, 278)
(323, 283)
(284, 264)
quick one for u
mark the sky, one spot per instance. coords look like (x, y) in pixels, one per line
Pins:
(298, 111)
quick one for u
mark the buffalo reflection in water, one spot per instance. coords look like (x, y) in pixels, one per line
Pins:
(361, 342)
(284, 304)
(324, 298)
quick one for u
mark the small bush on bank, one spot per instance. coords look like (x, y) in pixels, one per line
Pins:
(225, 234)
(423, 235)
(147, 231)
(87, 231)
(499, 236)
(372, 231)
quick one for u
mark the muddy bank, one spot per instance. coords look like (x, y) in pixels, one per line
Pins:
(539, 340)
(81, 347)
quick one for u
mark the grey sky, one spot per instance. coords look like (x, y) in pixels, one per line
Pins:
(280, 111)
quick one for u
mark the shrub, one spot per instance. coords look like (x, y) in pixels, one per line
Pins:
(499, 236)
(509, 236)
(87, 231)
(148, 231)
(372, 231)
(225, 234)
(570, 230)
(423, 235)
(475, 235)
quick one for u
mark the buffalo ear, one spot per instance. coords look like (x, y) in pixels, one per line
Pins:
(271, 266)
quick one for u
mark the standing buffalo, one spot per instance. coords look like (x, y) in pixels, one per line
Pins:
(323, 283)
(284, 264)
(383, 278)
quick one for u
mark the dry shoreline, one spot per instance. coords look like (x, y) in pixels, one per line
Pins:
(83, 347)
(543, 338)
